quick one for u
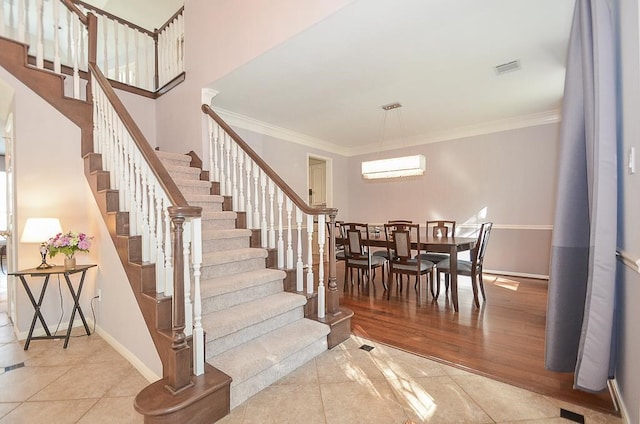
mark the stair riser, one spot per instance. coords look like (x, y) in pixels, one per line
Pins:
(220, 270)
(212, 206)
(218, 224)
(222, 344)
(177, 161)
(194, 189)
(218, 245)
(187, 173)
(248, 294)
(243, 390)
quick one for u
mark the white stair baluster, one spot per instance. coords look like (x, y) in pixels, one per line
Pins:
(234, 175)
(263, 224)
(160, 260)
(256, 199)
(76, 58)
(127, 75)
(136, 61)
(223, 168)
(186, 252)
(289, 235)
(280, 229)
(144, 207)
(198, 332)
(56, 38)
(299, 264)
(272, 217)
(22, 21)
(116, 56)
(241, 199)
(321, 292)
(168, 254)
(228, 189)
(39, 35)
(248, 208)
(310, 254)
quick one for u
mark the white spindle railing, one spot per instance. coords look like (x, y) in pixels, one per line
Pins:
(271, 211)
(125, 52)
(171, 49)
(145, 199)
(55, 35)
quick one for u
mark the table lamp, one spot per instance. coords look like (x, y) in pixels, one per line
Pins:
(39, 230)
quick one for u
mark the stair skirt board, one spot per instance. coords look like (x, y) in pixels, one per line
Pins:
(265, 360)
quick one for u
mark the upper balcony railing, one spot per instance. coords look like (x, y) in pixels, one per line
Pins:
(126, 53)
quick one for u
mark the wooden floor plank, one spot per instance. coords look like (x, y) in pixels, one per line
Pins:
(504, 339)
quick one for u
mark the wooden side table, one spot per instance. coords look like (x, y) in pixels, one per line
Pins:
(47, 273)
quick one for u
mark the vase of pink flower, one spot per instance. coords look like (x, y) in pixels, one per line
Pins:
(69, 244)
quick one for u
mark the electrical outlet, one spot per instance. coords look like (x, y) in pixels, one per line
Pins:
(99, 295)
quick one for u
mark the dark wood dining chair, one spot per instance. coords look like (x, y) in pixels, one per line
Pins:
(472, 268)
(402, 262)
(358, 255)
(385, 253)
(339, 236)
(438, 229)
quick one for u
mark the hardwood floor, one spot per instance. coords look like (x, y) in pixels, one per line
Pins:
(504, 339)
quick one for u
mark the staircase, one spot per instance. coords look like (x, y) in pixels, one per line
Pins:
(255, 331)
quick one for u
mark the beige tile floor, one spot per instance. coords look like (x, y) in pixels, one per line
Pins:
(90, 383)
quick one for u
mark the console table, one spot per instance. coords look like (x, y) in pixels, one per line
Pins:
(47, 273)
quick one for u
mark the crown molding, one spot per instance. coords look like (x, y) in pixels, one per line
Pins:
(260, 127)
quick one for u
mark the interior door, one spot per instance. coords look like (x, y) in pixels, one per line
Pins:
(8, 218)
(317, 182)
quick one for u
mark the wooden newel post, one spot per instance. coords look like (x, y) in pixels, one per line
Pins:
(333, 302)
(179, 372)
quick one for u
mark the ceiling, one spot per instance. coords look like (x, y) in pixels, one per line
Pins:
(148, 14)
(435, 57)
(326, 85)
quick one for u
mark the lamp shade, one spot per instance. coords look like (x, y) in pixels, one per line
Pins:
(39, 230)
(394, 167)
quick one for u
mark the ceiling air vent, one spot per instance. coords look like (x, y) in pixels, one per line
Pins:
(514, 65)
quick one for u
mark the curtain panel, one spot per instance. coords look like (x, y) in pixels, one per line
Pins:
(580, 311)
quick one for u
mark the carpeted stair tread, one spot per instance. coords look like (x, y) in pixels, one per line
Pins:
(181, 182)
(230, 283)
(221, 323)
(203, 198)
(249, 359)
(225, 234)
(187, 171)
(174, 156)
(235, 255)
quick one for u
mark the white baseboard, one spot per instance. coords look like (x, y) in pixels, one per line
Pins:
(137, 364)
(615, 394)
(516, 274)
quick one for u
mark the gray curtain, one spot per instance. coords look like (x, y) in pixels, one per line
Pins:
(580, 312)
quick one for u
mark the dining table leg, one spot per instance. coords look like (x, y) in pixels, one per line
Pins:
(453, 271)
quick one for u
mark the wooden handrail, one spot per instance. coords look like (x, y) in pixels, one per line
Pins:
(159, 170)
(109, 15)
(166, 24)
(72, 7)
(301, 204)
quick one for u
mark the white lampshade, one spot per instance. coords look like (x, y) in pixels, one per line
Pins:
(394, 167)
(39, 230)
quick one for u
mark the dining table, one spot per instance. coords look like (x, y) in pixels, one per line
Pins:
(430, 243)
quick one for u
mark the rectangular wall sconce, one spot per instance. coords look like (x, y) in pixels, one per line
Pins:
(404, 166)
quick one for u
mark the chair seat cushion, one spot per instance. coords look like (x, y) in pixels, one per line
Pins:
(375, 261)
(382, 253)
(434, 257)
(463, 266)
(411, 266)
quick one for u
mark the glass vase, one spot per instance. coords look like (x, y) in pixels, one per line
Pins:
(69, 263)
